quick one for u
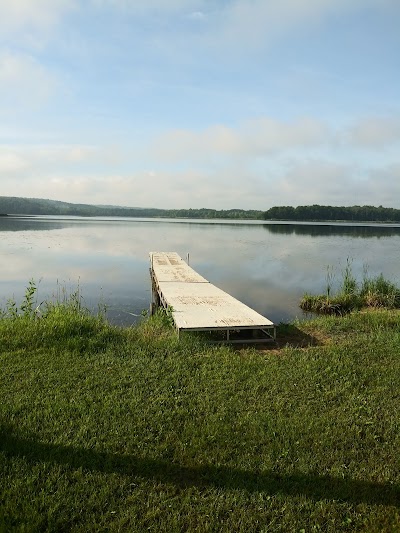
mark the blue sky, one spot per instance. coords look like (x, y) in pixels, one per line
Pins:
(198, 103)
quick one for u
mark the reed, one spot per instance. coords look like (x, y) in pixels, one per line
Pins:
(375, 292)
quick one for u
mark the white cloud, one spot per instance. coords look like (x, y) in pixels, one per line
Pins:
(26, 27)
(233, 27)
(375, 132)
(138, 6)
(329, 183)
(23, 81)
(266, 137)
(196, 15)
(383, 185)
(261, 163)
(312, 181)
(31, 21)
(263, 136)
(11, 163)
(255, 23)
(316, 181)
(26, 162)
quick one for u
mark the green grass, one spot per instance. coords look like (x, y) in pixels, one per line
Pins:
(375, 293)
(111, 429)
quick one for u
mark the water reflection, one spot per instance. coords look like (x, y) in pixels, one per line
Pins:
(322, 230)
(10, 223)
(267, 266)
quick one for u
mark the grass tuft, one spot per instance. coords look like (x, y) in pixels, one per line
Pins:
(371, 293)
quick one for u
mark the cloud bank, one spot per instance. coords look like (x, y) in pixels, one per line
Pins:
(262, 162)
(196, 103)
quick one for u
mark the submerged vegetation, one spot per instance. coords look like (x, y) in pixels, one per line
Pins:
(376, 292)
(130, 429)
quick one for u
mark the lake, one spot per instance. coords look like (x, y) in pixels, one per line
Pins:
(268, 266)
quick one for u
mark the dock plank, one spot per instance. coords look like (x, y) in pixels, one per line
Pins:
(169, 266)
(203, 305)
(196, 303)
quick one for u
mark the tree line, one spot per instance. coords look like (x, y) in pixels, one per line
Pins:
(355, 213)
(37, 206)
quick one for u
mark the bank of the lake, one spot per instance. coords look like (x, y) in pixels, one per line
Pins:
(106, 428)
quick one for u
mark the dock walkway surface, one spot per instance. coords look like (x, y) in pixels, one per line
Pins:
(198, 305)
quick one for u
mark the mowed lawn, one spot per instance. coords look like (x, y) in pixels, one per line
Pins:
(111, 429)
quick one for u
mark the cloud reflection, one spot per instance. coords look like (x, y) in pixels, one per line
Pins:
(267, 266)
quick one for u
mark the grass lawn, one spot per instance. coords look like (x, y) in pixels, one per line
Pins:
(109, 429)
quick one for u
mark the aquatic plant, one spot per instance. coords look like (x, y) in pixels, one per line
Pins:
(351, 295)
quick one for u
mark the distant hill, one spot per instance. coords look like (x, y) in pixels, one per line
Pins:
(12, 205)
(118, 206)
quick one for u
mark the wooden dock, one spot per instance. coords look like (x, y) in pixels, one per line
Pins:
(197, 305)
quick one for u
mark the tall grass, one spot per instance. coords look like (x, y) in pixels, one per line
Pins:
(376, 292)
(30, 308)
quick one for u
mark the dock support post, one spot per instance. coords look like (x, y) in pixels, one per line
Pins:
(155, 298)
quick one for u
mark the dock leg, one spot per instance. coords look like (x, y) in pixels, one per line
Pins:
(155, 298)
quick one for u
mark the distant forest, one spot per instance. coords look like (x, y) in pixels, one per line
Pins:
(356, 213)
(33, 206)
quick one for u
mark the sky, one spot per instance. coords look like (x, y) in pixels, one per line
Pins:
(201, 103)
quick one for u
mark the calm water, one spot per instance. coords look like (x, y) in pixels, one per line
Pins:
(267, 266)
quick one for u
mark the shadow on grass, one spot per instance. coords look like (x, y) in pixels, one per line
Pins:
(313, 486)
(290, 335)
